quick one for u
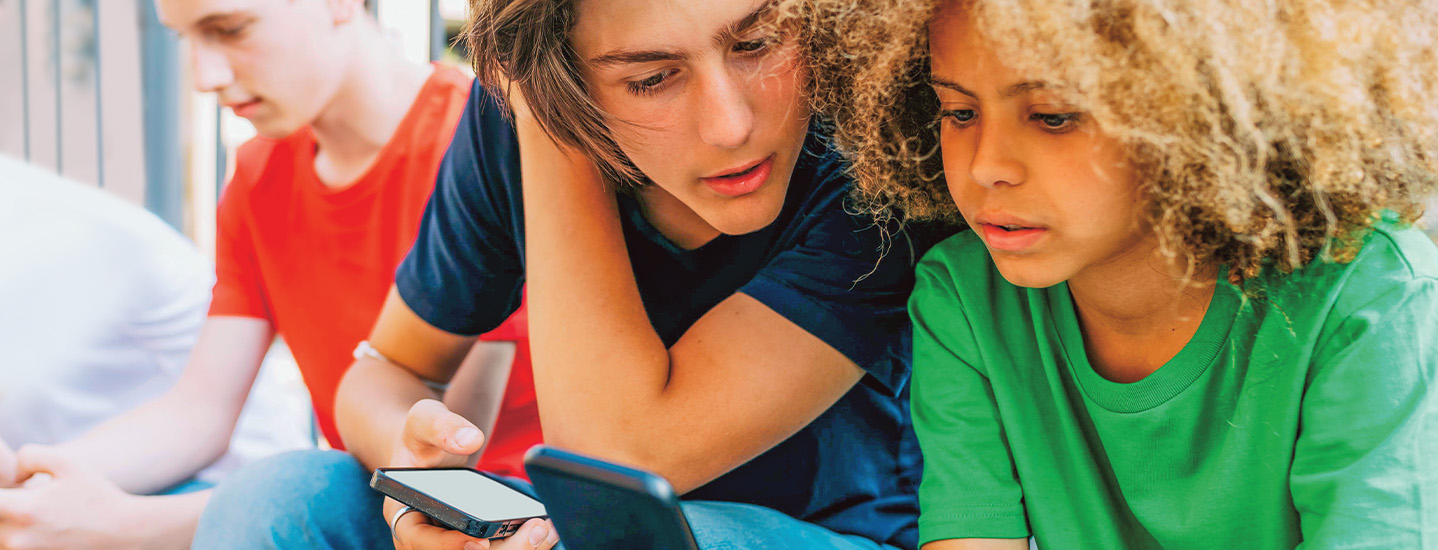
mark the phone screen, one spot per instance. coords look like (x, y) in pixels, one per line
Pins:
(470, 492)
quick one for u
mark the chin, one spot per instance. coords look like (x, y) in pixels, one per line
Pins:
(275, 129)
(1028, 274)
(744, 215)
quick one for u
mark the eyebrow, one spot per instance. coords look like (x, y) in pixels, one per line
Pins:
(620, 57)
(745, 23)
(1011, 91)
(940, 82)
(217, 18)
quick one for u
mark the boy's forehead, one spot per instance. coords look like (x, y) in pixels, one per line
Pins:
(645, 25)
(183, 14)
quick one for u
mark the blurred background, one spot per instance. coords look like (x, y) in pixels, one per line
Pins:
(100, 92)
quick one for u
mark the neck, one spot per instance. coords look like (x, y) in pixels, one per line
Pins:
(376, 92)
(1139, 309)
(674, 219)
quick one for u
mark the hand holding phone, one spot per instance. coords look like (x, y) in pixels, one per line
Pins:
(435, 437)
(465, 500)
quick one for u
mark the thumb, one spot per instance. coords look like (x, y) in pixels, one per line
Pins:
(41, 459)
(461, 437)
(432, 427)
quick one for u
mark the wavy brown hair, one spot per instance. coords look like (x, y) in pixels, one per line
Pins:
(525, 43)
(1263, 132)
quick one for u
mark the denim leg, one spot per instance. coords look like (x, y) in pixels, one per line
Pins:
(734, 526)
(191, 485)
(296, 500)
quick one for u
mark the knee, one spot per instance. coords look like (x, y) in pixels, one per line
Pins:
(286, 498)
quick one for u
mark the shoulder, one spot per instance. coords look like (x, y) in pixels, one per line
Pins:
(261, 161)
(961, 257)
(1396, 263)
(451, 79)
(90, 224)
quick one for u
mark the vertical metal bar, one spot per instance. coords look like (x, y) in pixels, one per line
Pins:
(220, 153)
(437, 37)
(373, 7)
(159, 62)
(25, 73)
(59, 100)
(99, 93)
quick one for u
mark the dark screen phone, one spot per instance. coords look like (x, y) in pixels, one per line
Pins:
(597, 505)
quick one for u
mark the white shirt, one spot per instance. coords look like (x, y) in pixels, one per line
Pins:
(100, 303)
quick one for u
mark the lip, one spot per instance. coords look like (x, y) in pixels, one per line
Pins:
(743, 180)
(998, 238)
(244, 109)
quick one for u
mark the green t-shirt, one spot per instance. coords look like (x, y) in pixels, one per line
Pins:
(1304, 416)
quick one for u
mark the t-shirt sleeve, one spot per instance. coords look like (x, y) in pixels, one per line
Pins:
(239, 290)
(847, 283)
(1365, 466)
(969, 487)
(464, 274)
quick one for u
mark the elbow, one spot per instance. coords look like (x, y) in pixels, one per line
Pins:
(624, 446)
(347, 405)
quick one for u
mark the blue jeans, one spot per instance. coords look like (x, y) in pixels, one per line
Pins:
(322, 500)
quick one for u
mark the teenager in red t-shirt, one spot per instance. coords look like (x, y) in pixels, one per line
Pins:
(322, 208)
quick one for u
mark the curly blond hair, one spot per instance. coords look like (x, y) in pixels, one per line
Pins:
(1264, 132)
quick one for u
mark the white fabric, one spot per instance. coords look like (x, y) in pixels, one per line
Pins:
(100, 303)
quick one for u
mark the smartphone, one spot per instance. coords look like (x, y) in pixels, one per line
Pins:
(596, 505)
(465, 500)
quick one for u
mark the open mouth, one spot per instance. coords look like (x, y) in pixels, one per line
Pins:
(1011, 237)
(743, 172)
(742, 182)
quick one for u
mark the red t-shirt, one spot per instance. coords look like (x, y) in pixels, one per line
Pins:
(317, 262)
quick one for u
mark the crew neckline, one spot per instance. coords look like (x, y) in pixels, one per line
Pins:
(1176, 375)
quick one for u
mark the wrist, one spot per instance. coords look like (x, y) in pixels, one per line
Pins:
(166, 521)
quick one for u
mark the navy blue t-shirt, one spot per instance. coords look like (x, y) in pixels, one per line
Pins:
(855, 468)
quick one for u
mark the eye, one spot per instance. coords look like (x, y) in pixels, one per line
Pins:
(961, 118)
(229, 32)
(754, 46)
(1056, 122)
(651, 84)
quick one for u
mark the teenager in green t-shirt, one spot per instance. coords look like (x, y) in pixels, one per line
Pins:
(1188, 314)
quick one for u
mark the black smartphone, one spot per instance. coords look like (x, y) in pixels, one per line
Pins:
(597, 505)
(468, 501)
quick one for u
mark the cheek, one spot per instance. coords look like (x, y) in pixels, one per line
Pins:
(955, 152)
(779, 87)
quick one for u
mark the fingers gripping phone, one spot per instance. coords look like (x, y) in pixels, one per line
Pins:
(465, 500)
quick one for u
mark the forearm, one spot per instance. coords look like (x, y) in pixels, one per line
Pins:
(157, 445)
(588, 331)
(371, 404)
(164, 522)
(478, 388)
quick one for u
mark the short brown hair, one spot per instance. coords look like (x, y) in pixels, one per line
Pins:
(525, 43)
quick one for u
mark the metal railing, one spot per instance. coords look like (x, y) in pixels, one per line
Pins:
(76, 47)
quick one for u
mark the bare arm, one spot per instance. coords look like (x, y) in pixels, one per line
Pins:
(153, 447)
(740, 381)
(978, 544)
(374, 397)
(167, 440)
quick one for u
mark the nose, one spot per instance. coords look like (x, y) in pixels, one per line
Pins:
(212, 70)
(995, 159)
(726, 119)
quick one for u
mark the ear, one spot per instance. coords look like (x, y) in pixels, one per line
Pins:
(345, 11)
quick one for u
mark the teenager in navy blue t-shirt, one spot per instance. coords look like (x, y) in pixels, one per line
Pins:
(726, 324)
